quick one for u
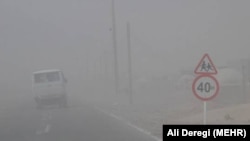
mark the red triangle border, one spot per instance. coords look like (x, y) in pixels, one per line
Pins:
(197, 67)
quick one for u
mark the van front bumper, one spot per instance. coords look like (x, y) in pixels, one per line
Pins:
(49, 99)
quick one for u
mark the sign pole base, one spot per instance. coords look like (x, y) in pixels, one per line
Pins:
(205, 113)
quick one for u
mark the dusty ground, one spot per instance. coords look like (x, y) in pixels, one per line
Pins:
(178, 107)
(151, 113)
(238, 114)
(152, 120)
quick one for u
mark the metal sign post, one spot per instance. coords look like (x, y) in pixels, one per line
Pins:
(205, 113)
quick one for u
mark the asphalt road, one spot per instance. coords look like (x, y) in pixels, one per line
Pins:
(76, 123)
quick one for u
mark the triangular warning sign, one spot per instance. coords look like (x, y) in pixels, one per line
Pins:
(205, 66)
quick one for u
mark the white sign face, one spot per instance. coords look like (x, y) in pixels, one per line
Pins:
(205, 87)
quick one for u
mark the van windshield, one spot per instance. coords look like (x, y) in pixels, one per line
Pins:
(46, 77)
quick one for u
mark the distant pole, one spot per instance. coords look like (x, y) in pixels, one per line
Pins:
(105, 65)
(244, 82)
(87, 64)
(129, 66)
(115, 49)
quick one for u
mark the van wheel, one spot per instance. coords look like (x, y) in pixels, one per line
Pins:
(63, 103)
(39, 106)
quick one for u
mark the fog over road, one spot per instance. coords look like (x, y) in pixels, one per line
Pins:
(151, 83)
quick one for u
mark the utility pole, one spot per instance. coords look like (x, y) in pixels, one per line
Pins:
(115, 49)
(130, 66)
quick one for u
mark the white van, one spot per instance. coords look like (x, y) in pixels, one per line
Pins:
(49, 87)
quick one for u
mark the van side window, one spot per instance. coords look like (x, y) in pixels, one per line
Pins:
(53, 76)
(40, 78)
(47, 77)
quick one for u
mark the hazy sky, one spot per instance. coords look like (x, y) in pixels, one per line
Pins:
(166, 35)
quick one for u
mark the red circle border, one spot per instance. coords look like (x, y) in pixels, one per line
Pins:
(208, 98)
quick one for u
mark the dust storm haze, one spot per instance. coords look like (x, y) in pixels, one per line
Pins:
(167, 38)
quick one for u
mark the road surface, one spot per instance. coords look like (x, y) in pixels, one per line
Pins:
(79, 122)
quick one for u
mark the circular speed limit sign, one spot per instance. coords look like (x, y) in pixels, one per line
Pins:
(205, 87)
